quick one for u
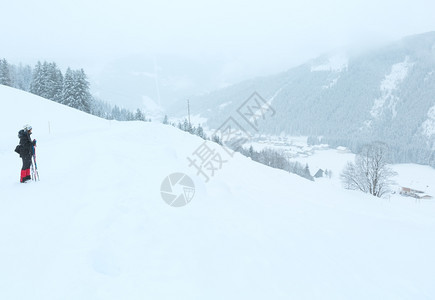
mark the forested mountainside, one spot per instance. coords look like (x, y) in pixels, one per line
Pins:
(385, 94)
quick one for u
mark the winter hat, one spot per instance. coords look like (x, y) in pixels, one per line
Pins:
(27, 127)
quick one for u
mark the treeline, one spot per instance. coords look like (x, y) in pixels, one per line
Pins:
(186, 126)
(72, 89)
(415, 151)
(268, 157)
(277, 160)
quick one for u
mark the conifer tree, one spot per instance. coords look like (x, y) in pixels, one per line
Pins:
(36, 84)
(23, 77)
(200, 132)
(116, 113)
(83, 98)
(56, 82)
(47, 81)
(68, 93)
(251, 151)
(5, 76)
(139, 116)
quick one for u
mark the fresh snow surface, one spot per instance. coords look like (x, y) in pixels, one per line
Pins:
(96, 227)
(417, 177)
(317, 157)
(390, 83)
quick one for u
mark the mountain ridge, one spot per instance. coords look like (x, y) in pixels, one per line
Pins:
(387, 94)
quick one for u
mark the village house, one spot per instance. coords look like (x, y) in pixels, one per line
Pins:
(408, 192)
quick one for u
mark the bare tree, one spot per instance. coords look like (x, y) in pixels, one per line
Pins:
(370, 172)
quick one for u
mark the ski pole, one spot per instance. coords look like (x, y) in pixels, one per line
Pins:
(32, 171)
(34, 162)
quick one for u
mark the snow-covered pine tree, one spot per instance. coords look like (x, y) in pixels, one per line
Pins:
(251, 152)
(46, 82)
(215, 138)
(41, 83)
(116, 113)
(139, 115)
(200, 132)
(45, 89)
(307, 173)
(5, 76)
(101, 109)
(186, 125)
(82, 95)
(22, 76)
(36, 84)
(68, 91)
(56, 82)
(128, 115)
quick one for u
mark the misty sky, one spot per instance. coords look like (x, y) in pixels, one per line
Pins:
(252, 30)
(248, 38)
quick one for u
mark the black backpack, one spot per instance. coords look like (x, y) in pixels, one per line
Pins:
(18, 149)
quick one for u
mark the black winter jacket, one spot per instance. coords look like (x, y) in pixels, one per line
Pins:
(26, 144)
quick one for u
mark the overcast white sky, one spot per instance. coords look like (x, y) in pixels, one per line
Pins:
(257, 29)
(263, 36)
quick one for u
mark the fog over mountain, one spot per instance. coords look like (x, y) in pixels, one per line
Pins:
(346, 99)
(194, 47)
(154, 82)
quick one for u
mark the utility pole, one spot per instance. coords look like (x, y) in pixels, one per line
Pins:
(188, 114)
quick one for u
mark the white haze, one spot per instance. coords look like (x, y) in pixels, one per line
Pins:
(227, 40)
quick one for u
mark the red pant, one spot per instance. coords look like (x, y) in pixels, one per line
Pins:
(25, 175)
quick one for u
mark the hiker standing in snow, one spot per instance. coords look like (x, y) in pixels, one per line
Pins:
(26, 151)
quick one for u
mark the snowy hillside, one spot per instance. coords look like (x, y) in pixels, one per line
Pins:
(384, 94)
(96, 227)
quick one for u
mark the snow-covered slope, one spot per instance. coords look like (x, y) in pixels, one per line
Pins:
(96, 227)
(348, 100)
